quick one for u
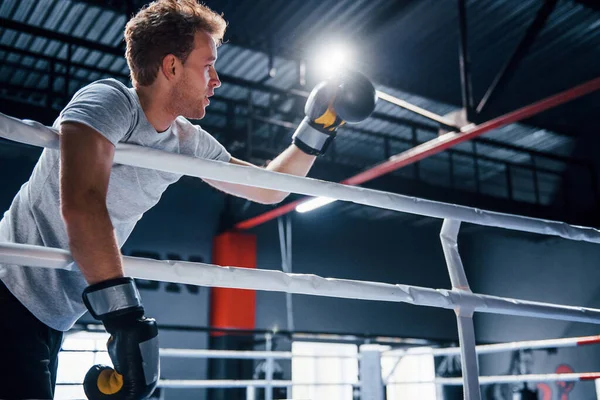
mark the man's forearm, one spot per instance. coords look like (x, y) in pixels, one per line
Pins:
(292, 161)
(93, 244)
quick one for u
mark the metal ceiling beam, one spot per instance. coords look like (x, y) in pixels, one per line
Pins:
(508, 70)
(464, 60)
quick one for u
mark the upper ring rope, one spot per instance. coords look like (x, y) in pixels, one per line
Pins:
(34, 133)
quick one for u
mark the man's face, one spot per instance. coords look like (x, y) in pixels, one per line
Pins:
(198, 80)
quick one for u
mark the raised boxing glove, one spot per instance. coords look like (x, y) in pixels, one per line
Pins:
(348, 98)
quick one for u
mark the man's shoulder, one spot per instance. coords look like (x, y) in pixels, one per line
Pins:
(111, 82)
(106, 105)
(108, 88)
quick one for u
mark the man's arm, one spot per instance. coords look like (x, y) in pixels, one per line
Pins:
(292, 161)
(350, 98)
(86, 162)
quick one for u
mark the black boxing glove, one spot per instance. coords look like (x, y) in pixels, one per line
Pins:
(132, 346)
(350, 97)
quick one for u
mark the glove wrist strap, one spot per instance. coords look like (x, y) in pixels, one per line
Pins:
(310, 139)
(112, 298)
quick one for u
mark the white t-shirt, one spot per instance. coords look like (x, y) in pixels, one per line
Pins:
(34, 217)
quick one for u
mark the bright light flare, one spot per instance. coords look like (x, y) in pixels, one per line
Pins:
(332, 59)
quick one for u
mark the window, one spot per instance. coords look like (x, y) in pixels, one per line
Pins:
(312, 367)
(81, 350)
(410, 368)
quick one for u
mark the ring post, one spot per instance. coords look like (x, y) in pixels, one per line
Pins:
(371, 382)
(464, 313)
(269, 367)
(250, 393)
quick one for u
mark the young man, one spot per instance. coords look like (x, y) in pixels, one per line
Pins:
(77, 199)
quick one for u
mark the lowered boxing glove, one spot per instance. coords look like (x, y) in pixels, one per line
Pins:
(132, 346)
(348, 98)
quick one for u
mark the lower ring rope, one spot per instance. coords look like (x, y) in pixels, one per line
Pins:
(271, 280)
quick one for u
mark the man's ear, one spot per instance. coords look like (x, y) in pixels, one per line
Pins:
(169, 66)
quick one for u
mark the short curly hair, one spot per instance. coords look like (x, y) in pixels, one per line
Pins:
(167, 27)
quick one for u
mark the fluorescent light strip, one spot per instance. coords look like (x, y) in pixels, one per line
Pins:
(313, 204)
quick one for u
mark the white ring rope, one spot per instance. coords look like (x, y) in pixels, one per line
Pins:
(487, 380)
(498, 347)
(229, 354)
(224, 383)
(247, 354)
(436, 352)
(198, 384)
(483, 380)
(278, 281)
(34, 133)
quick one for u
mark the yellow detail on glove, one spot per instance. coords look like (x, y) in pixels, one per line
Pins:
(110, 381)
(329, 120)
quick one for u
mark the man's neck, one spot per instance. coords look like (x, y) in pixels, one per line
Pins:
(156, 114)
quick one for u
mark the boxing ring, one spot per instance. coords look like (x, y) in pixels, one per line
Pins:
(460, 298)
